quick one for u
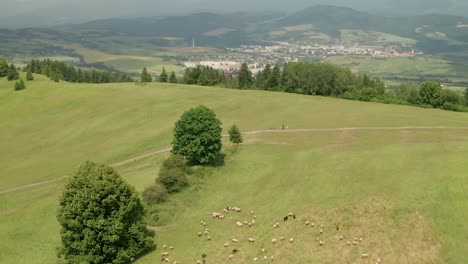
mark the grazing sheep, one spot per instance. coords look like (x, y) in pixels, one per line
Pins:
(272, 258)
(360, 239)
(203, 255)
(239, 224)
(234, 251)
(251, 212)
(282, 238)
(378, 260)
(355, 242)
(221, 217)
(255, 259)
(251, 239)
(235, 240)
(171, 247)
(340, 237)
(253, 222)
(306, 223)
(215, 215)
(164, 254)
(263, 250)
(230, 256)
(321, 242)
(225, 210)
(265, 257)
(364, 255)
(275, 225)
(291, 240)
(206, 232)
(321, 231)
(246, 223)
(255, 217)
(290, 214)
(273, 241)
(321, 226)
(167, 260)
(175, 262)
(208, 238)
(349, 243)
(164, 246)
(199, 234)
(226, 244)
(285, 218)
(198, 261)
(312, 224)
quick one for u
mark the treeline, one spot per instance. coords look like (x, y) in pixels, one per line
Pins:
(58, 71)
(330, 80)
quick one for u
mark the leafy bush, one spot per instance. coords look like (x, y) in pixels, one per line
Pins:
(173, 180)
(155, 194)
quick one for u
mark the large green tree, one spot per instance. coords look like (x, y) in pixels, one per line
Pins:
(274, 79)
(29, 76)
(465, 96)
(245, 79)
(431, 93)
(145, 76)
(19, 85)
(172, 78)
(197, 136)
(163, 76)
(101, 218)
(3, 67)
(12, 73)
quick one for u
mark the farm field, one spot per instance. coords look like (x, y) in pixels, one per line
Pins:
(402, 190)
(405, 68)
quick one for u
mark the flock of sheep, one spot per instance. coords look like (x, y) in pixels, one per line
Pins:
(234, 241)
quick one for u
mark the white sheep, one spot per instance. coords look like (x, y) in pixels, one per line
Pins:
(265, 257)
(282, 238)
(164, 246)
(378, 260)
(291, 240)
(255, 259)
(230, 256)
(235, 240)
(251, 212)
(226, 244)
(208, 238)
(239, 224)
(273, 241)
(251, 239)
(263, 250)
(321, 242)
(364, 255)
(307, 223)
(171, 247)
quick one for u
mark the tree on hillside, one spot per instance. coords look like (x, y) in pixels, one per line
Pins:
(197, 136)
(263, 77)
(163, 76)
(101, 218)
(235, 135)
(245, 76)
(3, 67)
(12, 73)
(431, 93)
(29, 76)
(172, 78)
(19, 85)
(145, 76)
(465, 96)
(274, 80)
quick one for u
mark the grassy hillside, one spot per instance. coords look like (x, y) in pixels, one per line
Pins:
(402, 190)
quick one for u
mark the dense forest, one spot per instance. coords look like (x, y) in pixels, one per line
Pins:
(57, 71)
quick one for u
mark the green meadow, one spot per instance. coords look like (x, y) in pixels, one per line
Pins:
(403, 190)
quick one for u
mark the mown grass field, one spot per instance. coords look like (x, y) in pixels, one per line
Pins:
(404, 191)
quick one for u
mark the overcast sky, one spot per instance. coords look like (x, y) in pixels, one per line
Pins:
(56, 11)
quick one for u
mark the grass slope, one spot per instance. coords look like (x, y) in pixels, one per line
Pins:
(402, 191)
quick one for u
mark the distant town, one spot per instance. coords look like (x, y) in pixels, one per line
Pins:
(258, 56)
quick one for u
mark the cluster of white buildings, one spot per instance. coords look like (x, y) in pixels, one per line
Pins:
(224, 65)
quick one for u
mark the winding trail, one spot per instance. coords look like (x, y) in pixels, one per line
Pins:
(254, 132)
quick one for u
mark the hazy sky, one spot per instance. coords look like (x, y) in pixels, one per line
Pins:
(56, 11)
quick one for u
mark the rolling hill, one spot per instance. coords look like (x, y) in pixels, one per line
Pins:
(393, 175)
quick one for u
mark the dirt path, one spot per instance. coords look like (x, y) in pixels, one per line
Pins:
(254, 132)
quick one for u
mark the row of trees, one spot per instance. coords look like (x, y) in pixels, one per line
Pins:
(164, 78)
(57, 71)
(330, 80)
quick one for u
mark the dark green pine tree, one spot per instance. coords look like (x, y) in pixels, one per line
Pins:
(163, 76)
(264, 77)
(12, 73)
(172, 78)
(145, 76)
(29, 76)
(235, 135)
(3, 67)
(274, 80)
(245, 77)
(19, 85)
